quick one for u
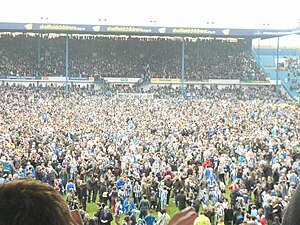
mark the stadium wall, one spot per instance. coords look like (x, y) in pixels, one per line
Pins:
(43, 83)
(273, 51)
(219, 83)
(60, 81)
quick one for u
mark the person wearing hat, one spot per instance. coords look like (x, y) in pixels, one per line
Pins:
(253, 211)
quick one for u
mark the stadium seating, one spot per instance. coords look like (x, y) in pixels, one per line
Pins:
(268, 60)
(24, 55)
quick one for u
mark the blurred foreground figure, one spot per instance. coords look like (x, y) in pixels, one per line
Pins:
(30, 202)
(292, 214)
(184, 217)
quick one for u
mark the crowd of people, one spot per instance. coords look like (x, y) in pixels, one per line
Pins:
(231, 154)
(44, 55)
(292, 66)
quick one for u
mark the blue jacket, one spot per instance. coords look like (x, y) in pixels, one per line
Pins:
(128, 206)
(120, 183)
(149, 220)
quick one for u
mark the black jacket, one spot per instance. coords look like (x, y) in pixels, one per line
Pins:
(108, 217)
(181, 201)
(228, 215)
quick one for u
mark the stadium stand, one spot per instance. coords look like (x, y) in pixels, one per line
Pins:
(288, 67)
(27, 55)
(126, 142)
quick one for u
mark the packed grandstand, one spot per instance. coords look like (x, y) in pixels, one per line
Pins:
(127, 57)
(230, 151)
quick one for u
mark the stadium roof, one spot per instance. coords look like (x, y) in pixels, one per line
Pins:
(189, 18)
(145, 30)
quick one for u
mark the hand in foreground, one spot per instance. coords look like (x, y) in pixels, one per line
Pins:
(184, 217)
(76, 217)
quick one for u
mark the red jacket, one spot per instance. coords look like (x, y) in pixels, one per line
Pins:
(206, 163)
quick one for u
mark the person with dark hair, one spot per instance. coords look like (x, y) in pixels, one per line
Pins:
(150, 219)
(277, 208)
(126, 220)
(99, 210)
(82, 193)
(196, 203)
(177, 186)
(128, 205)
(228, 215)
(276, 221)
(238, 216)
(63, 176)
(168, 183)
(70, 185)
(102, 190)
(89, 184)
(144, 206)
(268, 211)
(163, 217)
(182, 200)
(235, 193)
(258, 195)
(31, 202)
(113, 198)
(94, 220)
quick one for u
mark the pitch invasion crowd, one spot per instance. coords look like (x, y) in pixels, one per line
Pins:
(232, 154)
(26, 55)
